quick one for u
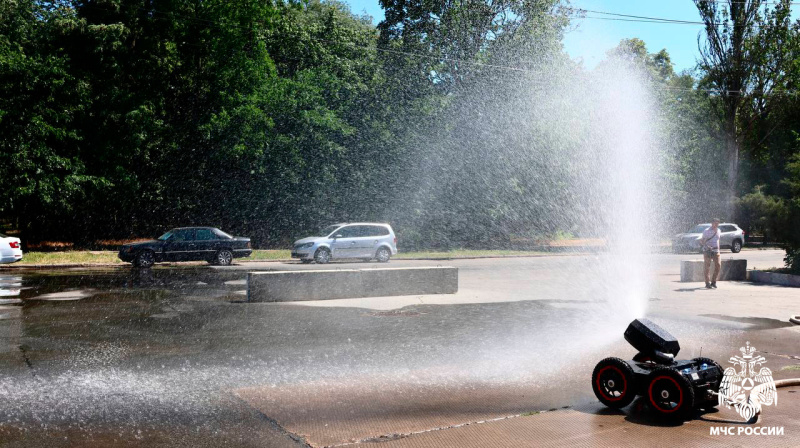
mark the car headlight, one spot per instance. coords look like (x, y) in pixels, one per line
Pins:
(306, 246)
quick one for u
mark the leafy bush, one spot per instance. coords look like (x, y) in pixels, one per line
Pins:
(761, 213)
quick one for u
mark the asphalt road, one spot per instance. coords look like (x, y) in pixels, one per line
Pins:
(174, 357)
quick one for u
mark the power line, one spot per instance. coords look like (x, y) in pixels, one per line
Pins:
(635, 20)
(656, 19)
(647, 19)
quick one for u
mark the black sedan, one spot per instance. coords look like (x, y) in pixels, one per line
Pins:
(187, 244)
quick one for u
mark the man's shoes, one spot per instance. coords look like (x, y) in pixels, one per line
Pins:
(708, 285)
(714, 285)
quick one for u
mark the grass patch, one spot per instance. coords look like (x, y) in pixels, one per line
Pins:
(69, 257)
(269, 255)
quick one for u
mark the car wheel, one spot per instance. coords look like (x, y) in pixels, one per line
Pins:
(736, 247)
(145, 259)
(383, 255)
(322, 255)
(224, 257)
(613, 382)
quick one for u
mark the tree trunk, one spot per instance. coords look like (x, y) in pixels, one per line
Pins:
(732, 151)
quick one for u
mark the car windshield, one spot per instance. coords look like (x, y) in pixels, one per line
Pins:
(699, 228)
(328, 230)
(165, 236)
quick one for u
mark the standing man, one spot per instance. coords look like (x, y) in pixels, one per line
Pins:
(709, 241)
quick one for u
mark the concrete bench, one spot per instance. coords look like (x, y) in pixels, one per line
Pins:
(285, 286)
(692, 270)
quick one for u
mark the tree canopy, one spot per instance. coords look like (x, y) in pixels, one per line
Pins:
(462, 123)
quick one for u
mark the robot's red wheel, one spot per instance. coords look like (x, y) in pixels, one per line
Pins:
(613, 383)
(669, 393)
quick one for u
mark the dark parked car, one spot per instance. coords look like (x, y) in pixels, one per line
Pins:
(187, 244)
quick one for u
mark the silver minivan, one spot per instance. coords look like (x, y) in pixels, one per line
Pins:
(364, 240)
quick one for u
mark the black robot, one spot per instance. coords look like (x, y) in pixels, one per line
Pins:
(672, 388)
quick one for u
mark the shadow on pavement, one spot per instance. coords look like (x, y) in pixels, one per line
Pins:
(639, 413)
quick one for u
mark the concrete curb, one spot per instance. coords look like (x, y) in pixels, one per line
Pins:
(774, 278)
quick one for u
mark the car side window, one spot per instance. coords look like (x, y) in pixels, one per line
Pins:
(726, 229)
(182, 235)
(205, 235)
(346, 232)
(374, 231)
(363, 231)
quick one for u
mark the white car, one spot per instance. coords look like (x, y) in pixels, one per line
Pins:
(10, 249)
(731, 236)
(365, 240)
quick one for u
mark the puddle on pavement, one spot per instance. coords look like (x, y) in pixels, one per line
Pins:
(69, 285)
(65, 295)
(9, 281)
(10, 286)
(9, 312)
(757, 323)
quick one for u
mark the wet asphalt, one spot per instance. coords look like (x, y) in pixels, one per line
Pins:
(155, 357)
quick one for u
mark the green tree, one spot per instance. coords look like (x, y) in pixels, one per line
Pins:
(732, 55)
(790, 234)
(41, 149)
